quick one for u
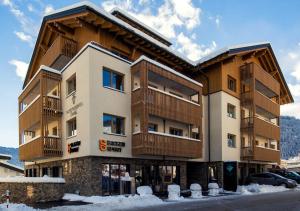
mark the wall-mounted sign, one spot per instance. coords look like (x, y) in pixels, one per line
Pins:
(74, 147)
(111, 146)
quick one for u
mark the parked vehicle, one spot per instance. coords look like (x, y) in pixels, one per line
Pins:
(271, 179)
(288, 174)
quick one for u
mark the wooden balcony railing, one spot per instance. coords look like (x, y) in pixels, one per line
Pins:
(60, 46)
(261, 127)
(169, 107)
(266, 104)
(32, 114)
(246, 152)
(265, 154)
(42, 147)
(163, 145)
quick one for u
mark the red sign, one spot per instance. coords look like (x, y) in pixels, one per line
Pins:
(102, 145)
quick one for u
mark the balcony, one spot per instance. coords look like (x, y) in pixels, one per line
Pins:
(266, 104)
(59, 53)
(266, 154)
(261, 127)
(168, 106)
(40, 148)
(159, 144)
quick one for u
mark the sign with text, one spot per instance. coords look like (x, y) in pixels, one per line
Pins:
(110, 146)
(74, 147)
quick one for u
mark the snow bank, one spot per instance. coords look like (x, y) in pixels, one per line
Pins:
(144, 190)
(174, 193)
(117, 202)
(16, 207)
(213, 189)
(255, 188)
(196, 191)
(22, 179)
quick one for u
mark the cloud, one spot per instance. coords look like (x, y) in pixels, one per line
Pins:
(295, 89)
(30, 7)
(291, 110)
(21, 68)
(48, 9)
(24, 37)
(168, 16)
(193, 50)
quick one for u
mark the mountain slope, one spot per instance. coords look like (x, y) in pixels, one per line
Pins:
(290, 136)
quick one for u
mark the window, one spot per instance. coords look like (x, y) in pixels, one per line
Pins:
(113, 80)
(231, 84)
(71, 85)
(113, 124)
(72, 127)
(54, 131)
(230, 110)
(231, 140)
(152, 127)
(173, 93)
(176, 132)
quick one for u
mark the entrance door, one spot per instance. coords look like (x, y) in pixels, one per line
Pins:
(230, 176)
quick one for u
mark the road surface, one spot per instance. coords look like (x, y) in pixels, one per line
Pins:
(282, 201)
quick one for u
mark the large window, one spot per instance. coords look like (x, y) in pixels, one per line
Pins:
(113, 80)
(71, 85)
(231, 140)
(113, 124)
(152, 127)
(231, 83)
(176, 131)
(71, 127)
(230, 110)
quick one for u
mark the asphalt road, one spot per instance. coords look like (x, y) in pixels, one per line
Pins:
(283, 201)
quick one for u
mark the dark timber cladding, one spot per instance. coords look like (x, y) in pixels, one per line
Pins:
(146, 101)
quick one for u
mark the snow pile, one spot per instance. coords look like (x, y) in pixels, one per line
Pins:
(16, 207)
(116, 202)
(174, 192)
(255, 188)
(213, 189)
(144, 191)
(196, 191)
(22, 179)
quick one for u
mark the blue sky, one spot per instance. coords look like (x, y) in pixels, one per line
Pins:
(196, 28)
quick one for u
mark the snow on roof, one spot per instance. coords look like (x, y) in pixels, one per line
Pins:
(5, 155)
(12, 165)
(166, 68)
(124, 24)
(22, 179)
(226, 49)
(129, 16)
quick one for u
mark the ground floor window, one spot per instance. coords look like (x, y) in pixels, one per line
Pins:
(111, 175)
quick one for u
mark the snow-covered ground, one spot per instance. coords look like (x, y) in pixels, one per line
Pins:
(109, 203)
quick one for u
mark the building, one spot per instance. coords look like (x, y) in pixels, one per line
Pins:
(105, 95)
(7, 169)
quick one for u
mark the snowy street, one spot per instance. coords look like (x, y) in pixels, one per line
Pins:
(287, 200)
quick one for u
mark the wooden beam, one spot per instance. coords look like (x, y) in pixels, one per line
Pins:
(69, 17)
(63, 27)
(56, 30)
(86, 24)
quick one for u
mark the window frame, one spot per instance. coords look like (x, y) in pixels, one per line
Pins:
(111, 125)
(231, 79)
(72, 134)
(71, 78)
(234, 111)
(111, 74)
(233, 143)
(175, 129)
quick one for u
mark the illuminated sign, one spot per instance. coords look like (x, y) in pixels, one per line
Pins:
(110, 146)
(74, 147)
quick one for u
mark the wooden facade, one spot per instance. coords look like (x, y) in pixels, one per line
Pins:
(42, 110)
(261, 102)
(147, 101)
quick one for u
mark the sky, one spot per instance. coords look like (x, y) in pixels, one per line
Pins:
(196, 28)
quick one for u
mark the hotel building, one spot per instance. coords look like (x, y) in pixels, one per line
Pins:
(105, 95)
